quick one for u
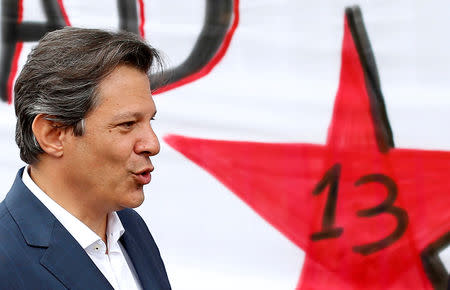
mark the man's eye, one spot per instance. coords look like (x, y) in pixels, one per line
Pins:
(127, 125)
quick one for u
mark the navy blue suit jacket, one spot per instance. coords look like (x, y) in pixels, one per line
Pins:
(37, 252)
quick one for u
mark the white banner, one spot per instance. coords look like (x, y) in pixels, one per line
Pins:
(269, 73)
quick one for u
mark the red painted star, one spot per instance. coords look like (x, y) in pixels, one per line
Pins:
(366, 214)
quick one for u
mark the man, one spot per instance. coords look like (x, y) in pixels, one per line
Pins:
(84, 109)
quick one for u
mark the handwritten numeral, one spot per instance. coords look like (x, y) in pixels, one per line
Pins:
(329, 230)
(330, 179)
(387, 206)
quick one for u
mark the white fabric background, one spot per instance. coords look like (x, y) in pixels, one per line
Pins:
(277, 83)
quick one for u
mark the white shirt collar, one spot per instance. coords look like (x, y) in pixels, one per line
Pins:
(82, 233)
(114, 230)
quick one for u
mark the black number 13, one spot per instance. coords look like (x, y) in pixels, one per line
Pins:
(328, 230)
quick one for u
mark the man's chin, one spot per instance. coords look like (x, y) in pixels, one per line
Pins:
(133, 200)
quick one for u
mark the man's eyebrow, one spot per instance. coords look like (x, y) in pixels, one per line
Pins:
(127, 115)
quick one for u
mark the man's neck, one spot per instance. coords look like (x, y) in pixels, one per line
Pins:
(75, 203)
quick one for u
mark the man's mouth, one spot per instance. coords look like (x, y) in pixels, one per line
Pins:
(143, 176)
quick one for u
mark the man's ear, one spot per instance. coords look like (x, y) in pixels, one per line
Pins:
(49, 135)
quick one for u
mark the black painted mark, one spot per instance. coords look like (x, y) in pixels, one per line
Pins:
(432, 263)
(329, 230)
(218, 19)
(128, 17)
(387, 206)
(330, 180)
(14, 32)
(383, 131)
(433, 266)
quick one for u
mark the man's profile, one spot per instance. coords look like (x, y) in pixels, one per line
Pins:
(84, 109)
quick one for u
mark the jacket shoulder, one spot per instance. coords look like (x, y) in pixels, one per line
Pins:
(8, 229)
(11, 244)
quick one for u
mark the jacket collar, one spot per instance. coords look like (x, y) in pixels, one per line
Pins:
(145, 256)
(146, 268)
(63, 256)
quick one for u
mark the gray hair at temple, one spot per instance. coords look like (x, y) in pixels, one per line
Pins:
(61, 77)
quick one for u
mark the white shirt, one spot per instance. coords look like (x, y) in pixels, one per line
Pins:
(115, 264)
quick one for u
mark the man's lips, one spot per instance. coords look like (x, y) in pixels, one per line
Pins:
(143, 176)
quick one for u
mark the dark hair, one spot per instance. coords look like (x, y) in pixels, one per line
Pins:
(62, 74)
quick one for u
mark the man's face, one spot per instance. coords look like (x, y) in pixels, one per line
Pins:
(110, 164)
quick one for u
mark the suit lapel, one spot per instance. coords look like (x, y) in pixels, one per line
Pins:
(64, 257)
(146, 269)
(67, 261)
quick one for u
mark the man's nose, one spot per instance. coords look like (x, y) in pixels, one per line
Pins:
(148, 143)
